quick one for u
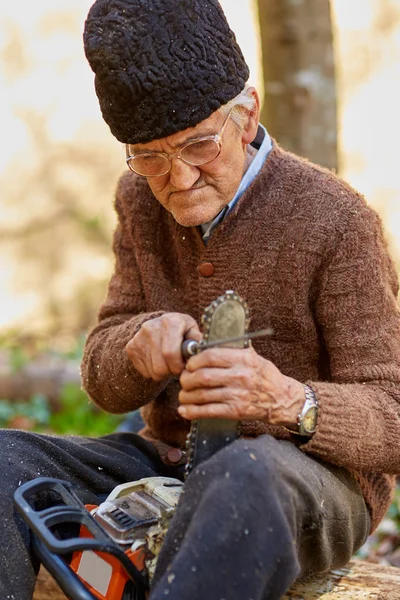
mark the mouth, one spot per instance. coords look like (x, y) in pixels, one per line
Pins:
(196, 186)
(188, 193)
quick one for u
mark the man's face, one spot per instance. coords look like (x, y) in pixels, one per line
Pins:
(195, 195)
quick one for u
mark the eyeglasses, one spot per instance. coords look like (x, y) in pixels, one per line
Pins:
(196, 153)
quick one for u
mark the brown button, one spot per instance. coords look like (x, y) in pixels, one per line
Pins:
(207, 269)
(174, 455)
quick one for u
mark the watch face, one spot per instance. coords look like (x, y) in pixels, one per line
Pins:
(310, 419)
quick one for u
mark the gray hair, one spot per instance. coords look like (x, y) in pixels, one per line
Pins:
(244, 100)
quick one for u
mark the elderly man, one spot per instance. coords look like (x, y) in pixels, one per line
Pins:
(212, 203)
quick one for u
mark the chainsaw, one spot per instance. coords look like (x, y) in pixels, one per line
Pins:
(113, 551)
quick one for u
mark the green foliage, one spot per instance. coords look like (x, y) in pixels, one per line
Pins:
(73, 414)
(383, 546)
(18, 359)
(394, 510)
(36, 410)
(78, 416)
(17, 354)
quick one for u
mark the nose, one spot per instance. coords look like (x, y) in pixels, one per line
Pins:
(183, 176)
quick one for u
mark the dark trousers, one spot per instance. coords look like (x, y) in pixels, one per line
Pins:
(252, 519)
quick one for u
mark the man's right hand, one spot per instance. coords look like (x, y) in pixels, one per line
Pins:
(155, 351)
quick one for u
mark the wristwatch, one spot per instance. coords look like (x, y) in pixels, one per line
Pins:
(307, 418)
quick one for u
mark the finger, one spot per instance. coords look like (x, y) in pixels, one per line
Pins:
(172, 357)
(155, 350)
(218, 357)
(174, 330)
(188, 328)
(158, 366)
(208, 411)
(207, 378)
(169, 351)
(213, 395)
(194, 333)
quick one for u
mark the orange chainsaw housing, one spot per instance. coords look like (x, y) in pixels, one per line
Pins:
(119, 577)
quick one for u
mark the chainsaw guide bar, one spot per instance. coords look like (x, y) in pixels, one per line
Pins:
(225, 317)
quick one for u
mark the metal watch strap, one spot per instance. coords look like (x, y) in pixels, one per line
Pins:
(309, 402)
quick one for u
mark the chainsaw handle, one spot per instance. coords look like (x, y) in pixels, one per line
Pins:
(66, 578)
(49, 547)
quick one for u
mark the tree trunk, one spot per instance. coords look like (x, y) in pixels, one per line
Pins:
(46, 377)
(357, 581)
(299, 107)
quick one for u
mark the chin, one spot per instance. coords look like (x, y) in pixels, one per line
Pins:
(188, 220)
(192, 216)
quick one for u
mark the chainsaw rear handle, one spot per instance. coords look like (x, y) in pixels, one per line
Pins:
(49, 547)
(67, 579)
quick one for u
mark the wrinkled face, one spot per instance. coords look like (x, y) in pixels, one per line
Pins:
(195, 195)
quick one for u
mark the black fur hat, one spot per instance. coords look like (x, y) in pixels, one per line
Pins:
(161, 66)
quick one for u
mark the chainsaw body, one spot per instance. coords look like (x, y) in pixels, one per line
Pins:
(113, 554)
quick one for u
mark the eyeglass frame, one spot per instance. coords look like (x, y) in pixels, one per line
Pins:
(217, 138)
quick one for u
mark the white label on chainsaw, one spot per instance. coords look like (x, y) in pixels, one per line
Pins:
(96, 571)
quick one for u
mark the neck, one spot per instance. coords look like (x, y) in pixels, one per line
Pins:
(251, 153)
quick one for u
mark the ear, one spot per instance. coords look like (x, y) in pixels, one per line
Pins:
(251, 125)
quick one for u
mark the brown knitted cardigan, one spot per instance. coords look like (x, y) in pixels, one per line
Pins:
(309, 257)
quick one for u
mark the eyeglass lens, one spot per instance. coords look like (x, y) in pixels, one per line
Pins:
(196, 154)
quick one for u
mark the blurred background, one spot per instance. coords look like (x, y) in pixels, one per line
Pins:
(329, 73)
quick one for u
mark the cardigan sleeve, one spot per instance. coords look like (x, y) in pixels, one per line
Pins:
(356, 309)
(108, 375)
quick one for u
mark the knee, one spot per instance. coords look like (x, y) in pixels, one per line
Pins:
(13, 441)
(243, 464)
(16, 449)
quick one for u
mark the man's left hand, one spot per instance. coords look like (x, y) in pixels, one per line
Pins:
(238, 384)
